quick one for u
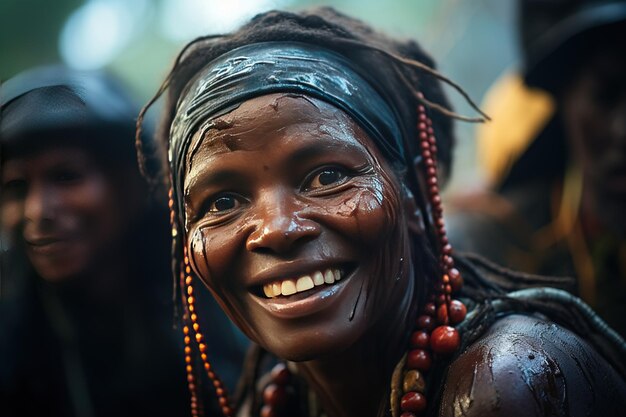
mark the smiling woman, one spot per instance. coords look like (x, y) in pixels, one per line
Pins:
(79, 332)
(305, 156)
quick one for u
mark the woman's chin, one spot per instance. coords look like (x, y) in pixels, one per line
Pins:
(313, 345)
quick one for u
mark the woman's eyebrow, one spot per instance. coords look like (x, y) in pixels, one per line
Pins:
(313, 150)
(216, 177)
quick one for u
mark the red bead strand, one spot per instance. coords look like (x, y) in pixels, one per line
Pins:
(433, 331)
(190, 320)
(220, 390)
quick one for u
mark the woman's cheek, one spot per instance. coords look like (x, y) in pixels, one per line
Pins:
(211, 252)
(359, 213)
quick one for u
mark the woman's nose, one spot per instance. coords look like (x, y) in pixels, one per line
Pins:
(282, 226)
(38, 205)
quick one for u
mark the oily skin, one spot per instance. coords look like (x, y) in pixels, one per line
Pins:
(594, 115)
(64, 209)
(304, 186)
(525, 366)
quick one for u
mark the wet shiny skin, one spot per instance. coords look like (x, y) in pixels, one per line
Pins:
(289, 185)
(525, 366)
(64, 208)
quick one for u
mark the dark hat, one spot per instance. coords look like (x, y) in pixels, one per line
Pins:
(559, 34)
(47, 104)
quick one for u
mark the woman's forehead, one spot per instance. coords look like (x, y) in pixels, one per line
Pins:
(276, 118)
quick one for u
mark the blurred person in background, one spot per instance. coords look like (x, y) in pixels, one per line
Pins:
(555, 155)
(85, 312)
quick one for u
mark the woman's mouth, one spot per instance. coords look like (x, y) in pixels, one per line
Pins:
(290, 286)
(306, 293)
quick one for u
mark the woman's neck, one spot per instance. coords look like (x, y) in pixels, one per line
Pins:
(356, 382)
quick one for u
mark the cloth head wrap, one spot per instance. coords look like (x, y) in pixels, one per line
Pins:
(54, 103)
(271, 67)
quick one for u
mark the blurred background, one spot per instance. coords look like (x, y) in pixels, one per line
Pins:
(472, 41)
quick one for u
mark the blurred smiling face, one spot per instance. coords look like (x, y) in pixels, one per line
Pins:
(63, 208)
(289, 213)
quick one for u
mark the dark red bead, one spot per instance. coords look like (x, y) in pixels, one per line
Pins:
(430, 309)
(407, 414)
(418, 359)
(431, 171)
(447, 249)
(424, 143)
(268, 411)
(428, 161)
(441, 299)
(445, 340)
(448, 289)
(456, 281)
(432, 181)
(420, 339)
(275, 395)
(413, 402)
(280, 374)
(422, 126)
(433, 190)
(442, 314)
(425, 322)
(422, 117)
(456, 311)
(427, 157)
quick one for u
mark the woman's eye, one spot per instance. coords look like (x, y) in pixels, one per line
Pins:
(326, 177)
(14, 189)
(223, 203)
(67, 176)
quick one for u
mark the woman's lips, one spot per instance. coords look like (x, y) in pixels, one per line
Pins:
(48, 246)
(297, 298)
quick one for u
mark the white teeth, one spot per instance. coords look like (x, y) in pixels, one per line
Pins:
(318, 278)
(288, 287)
(329, 277)
(304, 283)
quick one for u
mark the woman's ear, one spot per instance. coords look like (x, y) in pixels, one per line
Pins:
(414, 217)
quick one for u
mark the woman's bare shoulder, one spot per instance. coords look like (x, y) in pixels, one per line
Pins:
(525, 366)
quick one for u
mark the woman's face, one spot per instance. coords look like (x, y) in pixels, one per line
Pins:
(64, 208)
(290, 218)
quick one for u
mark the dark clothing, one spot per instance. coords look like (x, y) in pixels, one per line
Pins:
(520, 229)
